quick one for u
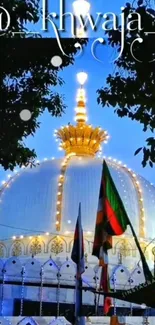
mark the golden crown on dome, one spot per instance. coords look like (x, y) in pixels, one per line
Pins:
(82, 138)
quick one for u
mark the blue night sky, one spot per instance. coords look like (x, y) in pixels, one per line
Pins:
(125, 135)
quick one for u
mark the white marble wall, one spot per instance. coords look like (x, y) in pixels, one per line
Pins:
(63, 321)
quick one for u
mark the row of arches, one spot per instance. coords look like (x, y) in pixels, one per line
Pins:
(53, 271)
(59, 245)
(63, 321)
(56, 246)
(34, 321)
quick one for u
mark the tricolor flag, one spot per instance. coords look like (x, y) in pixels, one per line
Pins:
(78, 257)
(112, 220)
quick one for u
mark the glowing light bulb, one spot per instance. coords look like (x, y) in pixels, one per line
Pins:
(21, 236)
(81, 7)
(47, 233)
(30, 237)
(82, 78)
(14, 237)
(57, 222)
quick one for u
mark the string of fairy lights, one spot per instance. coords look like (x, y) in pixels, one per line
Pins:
(61, 180)
(63, 169)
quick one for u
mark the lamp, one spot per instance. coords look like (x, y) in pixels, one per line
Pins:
(82, 78)
(81, 7)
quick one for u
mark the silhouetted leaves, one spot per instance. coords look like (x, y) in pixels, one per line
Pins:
(27, 81)
(131, 89)
(138, 150)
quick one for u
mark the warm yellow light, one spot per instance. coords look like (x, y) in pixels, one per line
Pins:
(82, 78)
(59, 184)
(89, 232)
(47, 233)
(81, 7)
(67, 232)
(21, 236)
(30, 237)
(80, 32)
(57, 222)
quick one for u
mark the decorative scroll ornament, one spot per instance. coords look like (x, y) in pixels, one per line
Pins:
(1, 250)
(125, 249)
(57, 246)
(17, 249)
(35, 247)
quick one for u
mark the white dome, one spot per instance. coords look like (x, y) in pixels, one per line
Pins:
(28, 204)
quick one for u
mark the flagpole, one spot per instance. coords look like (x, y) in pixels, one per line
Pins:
(78, 258)
(114, 279)
(147, 272)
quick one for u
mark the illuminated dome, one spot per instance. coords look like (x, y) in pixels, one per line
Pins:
(40, 200)
(46, 198)
(39, 206)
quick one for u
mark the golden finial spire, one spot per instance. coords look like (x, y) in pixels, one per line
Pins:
(81, 115)
(81, 139)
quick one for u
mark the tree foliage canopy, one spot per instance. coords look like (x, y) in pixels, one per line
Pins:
(131, 89)
(27, 81)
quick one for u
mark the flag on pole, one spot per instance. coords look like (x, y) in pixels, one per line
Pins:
(77, 257)
(105, 286)
(112, 220)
